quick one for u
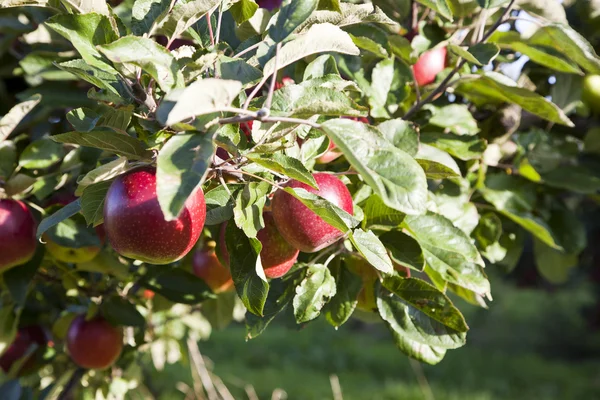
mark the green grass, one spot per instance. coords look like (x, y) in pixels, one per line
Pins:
(508, 355)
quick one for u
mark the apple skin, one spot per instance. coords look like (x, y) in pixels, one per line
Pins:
(206, 266)
(148, 294)
(136, 227)
(72, 254)
(26, 337)
(17, 234)
(269, 4)
(430, 64)
(300, 226)
(591, 92)
(94, 344)
(277, 255)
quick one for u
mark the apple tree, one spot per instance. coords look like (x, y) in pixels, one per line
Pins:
(170, 166)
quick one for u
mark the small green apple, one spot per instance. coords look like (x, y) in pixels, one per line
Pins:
(591, 92)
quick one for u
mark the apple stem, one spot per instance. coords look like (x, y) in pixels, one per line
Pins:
(273, 78)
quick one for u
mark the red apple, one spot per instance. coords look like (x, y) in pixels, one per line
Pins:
(285, 81)
(206, 266)
(94, 344)
(301, 227)
(26, 337)
(136, 227)
(430, 64)
(277, 256)
(148, 294)
(17, 234)
(246, 127)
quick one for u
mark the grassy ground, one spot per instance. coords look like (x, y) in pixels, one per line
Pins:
(503, 359)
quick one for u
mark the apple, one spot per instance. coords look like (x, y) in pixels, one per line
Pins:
(72, 254)
(591, 92)
(148, 294)
(26, 337)
(430, 64)
(300, 226)
(136, 227)
(17, 234)
(206, 266)
(277, 255)
(94, 344)
(285, 81)
(269, 4)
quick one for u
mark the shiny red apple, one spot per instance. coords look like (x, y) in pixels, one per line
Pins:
(26, 337)
(136, 227)
(206, 266)
(429, 65)
(17, 234)
(94, 344)
(277, 255)
(300, 226)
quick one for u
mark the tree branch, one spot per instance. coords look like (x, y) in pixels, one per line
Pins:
(442, 87)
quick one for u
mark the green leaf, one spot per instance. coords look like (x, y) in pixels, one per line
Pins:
(73, 233)
(120, 312)
(219, 311)
(439, 6)
(291, 14)
(87, 6)
(568, 229)
(541, 55)
(8, 159)
(402, 134)
(378, 91)
(415, 333)
(489, 230)
(104, 172)
(113, 142)
(219, 205)
(568, 42)
(249, 205)
(17, 280)
(492, 3)
(370, 45)
(246, 270)
(401, 48)
(462, 147)
(92, 202)
(304, 102)
(288, 166)
(479, 54)
(554, 265)
(106, 80)
(574, 178)
(379, 216)
(176, 284)
(329, 212)
(404, 249)
(41, 154)
(427, 299)
(181, 168)
(449, 251)
(11, 120)
(321, 66)
(348, 286)
(319, 38)
(145, 13)
(281, 293)
(486, 89)
(378, 162)
(83, 119)
(243, 10)
(64, 213)
(85, 32)
(330, 5)
(351, 14)
(436, 163)
(205, 96)
(371, 248)
(515, 198)
(237, 69)
(153, 58)
(184, 15)
(455, 117)
(315, 290)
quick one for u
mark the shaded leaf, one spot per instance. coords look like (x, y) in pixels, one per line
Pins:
(113, 142)
(315, 290)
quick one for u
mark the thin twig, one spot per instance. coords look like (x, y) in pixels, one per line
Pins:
(219, 23)
(249, 49)
(223, 391)
(442, 87)
(250, 392)
(73, 381)
(335, 387)
(198, 361)
(273, 79)
(255, 91)
(414, 15)
(210, 31)
(422, 379)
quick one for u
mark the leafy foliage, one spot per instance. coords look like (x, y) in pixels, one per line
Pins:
(447, 178)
